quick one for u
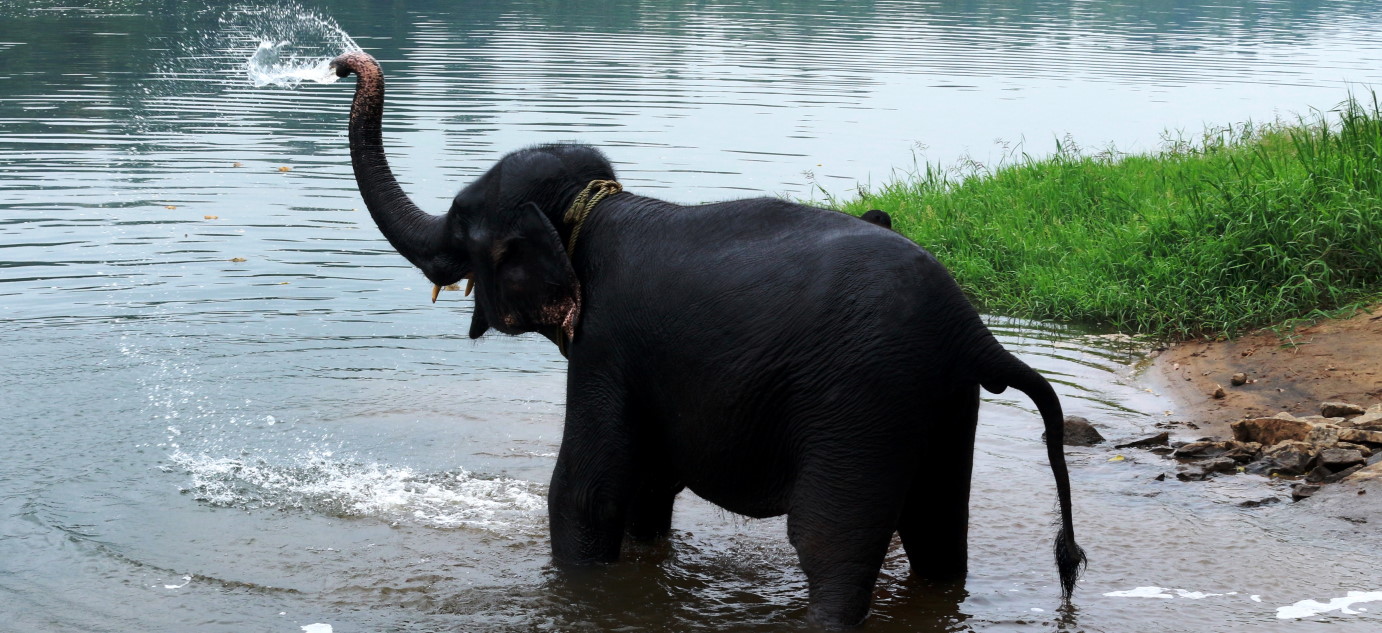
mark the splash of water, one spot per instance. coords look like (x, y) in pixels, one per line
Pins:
(320, 482)
(267, 67)
(293, 44)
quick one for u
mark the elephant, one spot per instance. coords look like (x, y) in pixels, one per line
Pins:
(771, 357)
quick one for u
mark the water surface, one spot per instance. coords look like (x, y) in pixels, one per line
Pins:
(195, 442)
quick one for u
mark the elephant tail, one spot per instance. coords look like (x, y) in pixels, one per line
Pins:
(1070, 558)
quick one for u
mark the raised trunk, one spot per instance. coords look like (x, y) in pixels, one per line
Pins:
(415, 234)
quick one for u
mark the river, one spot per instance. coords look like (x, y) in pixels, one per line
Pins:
(227, 405)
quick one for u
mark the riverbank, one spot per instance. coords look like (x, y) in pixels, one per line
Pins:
(1286, 369)
(1291, 371)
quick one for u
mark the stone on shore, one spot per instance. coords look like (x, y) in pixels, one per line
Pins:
(1271, 431)
(1340, 409)
(1337, 459)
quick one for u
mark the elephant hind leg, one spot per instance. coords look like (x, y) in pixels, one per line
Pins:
(934, 524)
(841, 562)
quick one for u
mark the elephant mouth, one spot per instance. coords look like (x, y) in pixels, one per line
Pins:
(469, 286)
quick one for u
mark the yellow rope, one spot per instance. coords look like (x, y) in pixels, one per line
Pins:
(585, 201)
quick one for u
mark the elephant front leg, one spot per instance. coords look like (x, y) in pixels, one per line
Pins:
(588, 501)
(650, 512)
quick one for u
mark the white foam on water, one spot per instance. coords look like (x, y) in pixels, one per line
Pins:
(318, 482)
(317, 628)
(186, 580)
(1162, 593)
(1141, 592)
(1199, 595)
(1308, 608)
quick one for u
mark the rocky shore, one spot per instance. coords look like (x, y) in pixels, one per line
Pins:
(1302, 405)
(1340, 442)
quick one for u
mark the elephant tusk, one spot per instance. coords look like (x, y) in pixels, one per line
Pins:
(436, 290)
(469, 284)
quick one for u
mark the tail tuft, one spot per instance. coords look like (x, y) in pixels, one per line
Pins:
(1070, 560)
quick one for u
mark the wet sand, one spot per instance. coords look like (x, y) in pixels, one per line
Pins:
(1337, 359)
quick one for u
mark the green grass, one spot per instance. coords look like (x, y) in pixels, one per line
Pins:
(1246, 227)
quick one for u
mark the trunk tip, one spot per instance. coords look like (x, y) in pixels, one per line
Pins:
(353, 61)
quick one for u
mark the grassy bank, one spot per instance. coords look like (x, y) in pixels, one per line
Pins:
(1250, 226)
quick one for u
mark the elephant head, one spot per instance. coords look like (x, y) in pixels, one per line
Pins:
(504, 232)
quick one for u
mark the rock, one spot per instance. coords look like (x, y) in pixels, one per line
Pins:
(1218, 393)
(1363, 449)
(1303, 491)
(1238, 452)
(1359, 436)
(1208, 468)
(1160, 439)
(1323, 435)
(1257, 503)
(1343, 474)
(1337, 459)
(1287, 458)
(1318, 475)
(1238, 380)
(1270, 431)
(1079, 432)
(1340, 409)
(1220, 465)
(1371, 472)
(1371, 420)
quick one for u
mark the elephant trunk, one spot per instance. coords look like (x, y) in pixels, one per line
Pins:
(417, 235)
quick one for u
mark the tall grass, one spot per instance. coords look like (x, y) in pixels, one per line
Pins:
(1245, 227)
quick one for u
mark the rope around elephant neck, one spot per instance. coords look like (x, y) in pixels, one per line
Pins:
(585, 201)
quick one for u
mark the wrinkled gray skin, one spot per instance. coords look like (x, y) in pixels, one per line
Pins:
(773, 358)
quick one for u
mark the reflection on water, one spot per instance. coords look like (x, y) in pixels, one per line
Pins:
(229, 405)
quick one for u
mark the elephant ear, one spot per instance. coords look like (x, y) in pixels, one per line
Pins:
(534, 288)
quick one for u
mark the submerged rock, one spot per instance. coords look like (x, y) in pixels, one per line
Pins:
(1160, 439)
(1238, 452)
(1292, 458)
(1303, 491)
(1079, 432)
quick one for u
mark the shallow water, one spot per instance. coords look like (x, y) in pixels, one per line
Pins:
(195, 443)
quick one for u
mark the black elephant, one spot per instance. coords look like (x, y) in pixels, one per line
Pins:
(772, 357)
